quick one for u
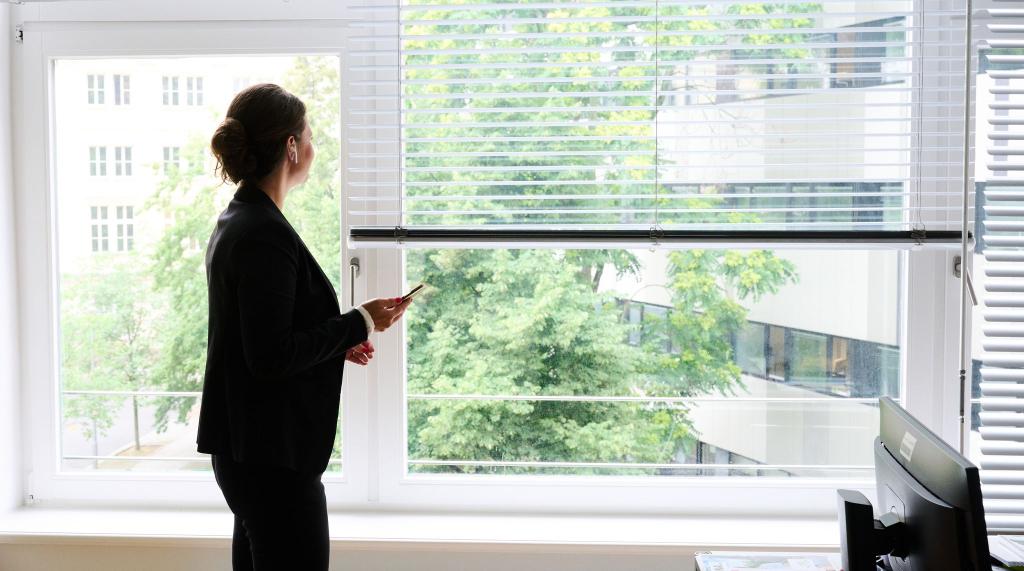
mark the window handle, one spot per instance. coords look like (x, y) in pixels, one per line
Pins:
(353, 273)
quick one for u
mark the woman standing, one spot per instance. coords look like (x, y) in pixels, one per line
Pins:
(277, 342)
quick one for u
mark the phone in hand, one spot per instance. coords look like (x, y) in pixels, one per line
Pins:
(413, 292)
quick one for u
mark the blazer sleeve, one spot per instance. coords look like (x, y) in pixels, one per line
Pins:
(266, 263)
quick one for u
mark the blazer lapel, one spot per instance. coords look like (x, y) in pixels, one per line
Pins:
(251, 193)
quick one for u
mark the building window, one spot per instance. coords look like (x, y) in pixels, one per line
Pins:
(123, 161)
(194, 90)
(862, 58)
(97, 161)
(125, 228)
(100, 236)
(95, 89)
(122, 89)
(172, 159)
(170, 84)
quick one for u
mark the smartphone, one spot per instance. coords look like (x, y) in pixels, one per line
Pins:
(413, 292)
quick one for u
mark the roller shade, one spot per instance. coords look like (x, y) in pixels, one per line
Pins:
(1000, 172)
(713, 116)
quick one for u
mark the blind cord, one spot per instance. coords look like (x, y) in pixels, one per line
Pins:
(918, 224)
(656, 230)
(965, 276)
(400, 186)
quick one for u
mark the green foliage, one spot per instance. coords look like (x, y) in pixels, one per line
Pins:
(523, 323)
(107, 337)
(314, 209)
(177, 271)
(533, 323)
(530, 323)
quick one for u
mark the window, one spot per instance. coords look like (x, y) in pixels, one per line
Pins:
(544, 356)
(172, 159)
(95, 89)
(132, 332)
(170, 85)
(527, 132)
(122, 90)
(194, 90)
(125, 228)
(489, 169)
(97, 161)
(100, 232)
(123, 161)
(123, 225)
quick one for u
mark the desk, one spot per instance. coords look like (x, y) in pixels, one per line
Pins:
(730, 560)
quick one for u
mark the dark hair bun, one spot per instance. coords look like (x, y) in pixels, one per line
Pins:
(231, 148)
(250, 142)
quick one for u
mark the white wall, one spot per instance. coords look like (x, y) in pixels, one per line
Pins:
(853, 294)
(10, 482)
(79, 557)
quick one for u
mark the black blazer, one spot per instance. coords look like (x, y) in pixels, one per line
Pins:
(276, 345)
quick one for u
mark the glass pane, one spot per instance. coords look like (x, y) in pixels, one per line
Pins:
(807, 364)
(133, 311)
(713, 437)
(645, 362)
(750, 349)
(130, 432)
(781, 114)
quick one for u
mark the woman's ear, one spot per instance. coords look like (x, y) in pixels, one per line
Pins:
(293, 151)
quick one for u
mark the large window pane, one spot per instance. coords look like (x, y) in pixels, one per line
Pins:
(132, 286)
(639, 362)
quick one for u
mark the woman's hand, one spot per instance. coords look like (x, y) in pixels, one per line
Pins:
(385, 311)
(360, 354)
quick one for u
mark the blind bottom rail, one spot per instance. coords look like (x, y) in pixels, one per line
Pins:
(563, 236)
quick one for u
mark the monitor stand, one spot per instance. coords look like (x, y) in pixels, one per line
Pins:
(863, 538)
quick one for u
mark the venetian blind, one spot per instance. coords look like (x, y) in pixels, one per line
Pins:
(669, 115)
(1000, 174)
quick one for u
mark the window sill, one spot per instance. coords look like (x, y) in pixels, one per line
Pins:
(403, 530)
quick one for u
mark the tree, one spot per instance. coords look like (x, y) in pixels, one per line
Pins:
(534, 323)
(106, 339)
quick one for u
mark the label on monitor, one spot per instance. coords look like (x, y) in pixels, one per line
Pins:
(907, 446)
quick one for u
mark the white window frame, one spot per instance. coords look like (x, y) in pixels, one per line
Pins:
(171, 94)
(123, 160)
(94, 86)
(122, 89)
(45, 483)
(99, 232)
(124, 219)
(172, 158)
(374, 451)
(194, 91)
(97, 161)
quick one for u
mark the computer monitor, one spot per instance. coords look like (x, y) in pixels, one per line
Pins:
(929, 501)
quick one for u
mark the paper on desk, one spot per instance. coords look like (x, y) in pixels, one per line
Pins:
(1007, 549)
(737, 561)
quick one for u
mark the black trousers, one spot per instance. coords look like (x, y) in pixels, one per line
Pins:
(280, 516)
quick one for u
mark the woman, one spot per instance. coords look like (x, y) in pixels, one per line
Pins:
(277, 342)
